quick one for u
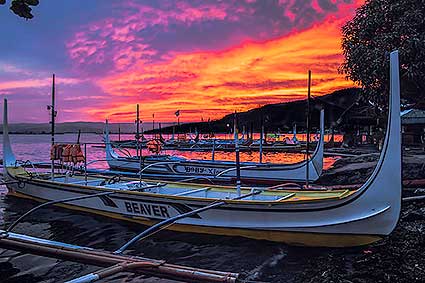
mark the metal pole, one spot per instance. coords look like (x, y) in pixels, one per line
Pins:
(85, 163)
(137, 130)
(252, 131)
(159, 133)
(178, 127)
(213, 150)
(53, 114)
(308, 131)
(238, 164)
(138, 149)
(153, 125)
(119, 132)
(158, 226)
(261, 140)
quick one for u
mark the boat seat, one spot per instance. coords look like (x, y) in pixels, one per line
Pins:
(84, 181)
(286, 197)
(185, 193)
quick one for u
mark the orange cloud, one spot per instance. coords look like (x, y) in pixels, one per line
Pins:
(212, 84)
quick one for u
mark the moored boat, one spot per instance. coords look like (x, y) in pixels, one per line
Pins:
(178, 168)
(333, 218)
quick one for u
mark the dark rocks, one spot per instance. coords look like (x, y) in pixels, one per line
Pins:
(356, 170)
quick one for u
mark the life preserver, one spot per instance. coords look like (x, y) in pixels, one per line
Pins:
(154, 146)
(66, 153)
(77, 155)
(56, 152)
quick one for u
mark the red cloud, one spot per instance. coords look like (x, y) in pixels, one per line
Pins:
(210, 83)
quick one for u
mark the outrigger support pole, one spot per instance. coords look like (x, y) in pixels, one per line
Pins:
(112, 263)
(9, 229)
(170, 221)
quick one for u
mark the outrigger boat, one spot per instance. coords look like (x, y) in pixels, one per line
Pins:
(332, 218)
(169, 167)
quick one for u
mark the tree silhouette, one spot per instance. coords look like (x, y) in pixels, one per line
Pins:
(379, 27)
(22, 7)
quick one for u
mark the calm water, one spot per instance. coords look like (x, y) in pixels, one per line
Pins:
(256, 260)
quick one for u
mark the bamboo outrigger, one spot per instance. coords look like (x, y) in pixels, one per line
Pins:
(332, 218)
(112, 263)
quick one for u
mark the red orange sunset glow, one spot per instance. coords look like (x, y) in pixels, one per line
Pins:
(212, 84)
(201, 81)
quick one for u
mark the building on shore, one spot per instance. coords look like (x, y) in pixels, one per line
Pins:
(413, 127)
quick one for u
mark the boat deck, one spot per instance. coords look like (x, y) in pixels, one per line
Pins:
(198, 191)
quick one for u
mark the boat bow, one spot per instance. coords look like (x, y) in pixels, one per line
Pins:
(383, 188)
(9, 159)
(110, 152)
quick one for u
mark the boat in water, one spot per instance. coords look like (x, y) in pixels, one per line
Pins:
(169, 167)
(309, 217)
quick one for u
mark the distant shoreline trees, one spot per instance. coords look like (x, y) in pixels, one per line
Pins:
(379, 27)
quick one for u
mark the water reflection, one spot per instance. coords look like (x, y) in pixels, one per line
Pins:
(37, 149)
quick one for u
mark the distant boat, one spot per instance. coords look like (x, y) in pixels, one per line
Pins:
(332, 218)
(179, 168)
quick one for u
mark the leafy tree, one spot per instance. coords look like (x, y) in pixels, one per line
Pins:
(22, 7)
(379, 27)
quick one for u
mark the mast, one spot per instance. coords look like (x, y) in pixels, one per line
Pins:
(261, 139)
(308, 131)
(119, 132)
(178, 127)
(52, 122)
(238, 164)
(137, 130)
(252, 131)
(138, 149)
(153, 125)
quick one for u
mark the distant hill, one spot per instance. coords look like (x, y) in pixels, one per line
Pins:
(74, 127)
(283, 115)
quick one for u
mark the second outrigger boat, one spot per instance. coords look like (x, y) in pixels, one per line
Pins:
(333, 218)
(169, 167)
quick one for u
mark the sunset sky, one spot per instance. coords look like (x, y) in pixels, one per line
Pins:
(206, 58)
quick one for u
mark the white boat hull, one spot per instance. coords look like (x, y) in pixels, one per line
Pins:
(282, 223)
(251, 172)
